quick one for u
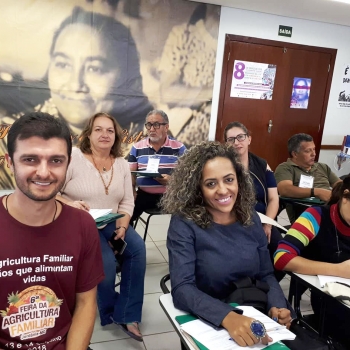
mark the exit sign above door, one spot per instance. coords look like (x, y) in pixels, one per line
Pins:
(285, 31)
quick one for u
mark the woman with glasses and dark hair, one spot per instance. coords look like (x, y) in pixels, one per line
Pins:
(98, 177)
(267, 201)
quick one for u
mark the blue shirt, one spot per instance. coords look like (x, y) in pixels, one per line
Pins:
(168, 156)
(204, 262)
(262, 197)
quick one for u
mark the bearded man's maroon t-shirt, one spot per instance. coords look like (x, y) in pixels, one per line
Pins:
(41, 270)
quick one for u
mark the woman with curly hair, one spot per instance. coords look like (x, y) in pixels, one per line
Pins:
(215, 238)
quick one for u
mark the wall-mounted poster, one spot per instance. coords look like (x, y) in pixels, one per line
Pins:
(74, 58)
(344, 89)
(253, 80)
(300, 93)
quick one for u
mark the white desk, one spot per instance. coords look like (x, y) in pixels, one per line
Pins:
(166, 302)
(313, 283)
(310, 280)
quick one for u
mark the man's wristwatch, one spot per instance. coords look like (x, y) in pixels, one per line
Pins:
(312, 192)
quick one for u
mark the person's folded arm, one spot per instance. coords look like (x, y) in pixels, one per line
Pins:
(122, 224)
(127, 203)
(301, 233)
(272, 203)
(272, 194)
(287, 189)
(83, 321)
(299, 236)
(182, 261)
(310, 267)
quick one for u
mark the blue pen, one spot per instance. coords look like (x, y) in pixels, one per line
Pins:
(277, 328)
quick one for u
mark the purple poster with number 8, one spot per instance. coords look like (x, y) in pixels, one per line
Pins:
(238, 72)
(253, 80)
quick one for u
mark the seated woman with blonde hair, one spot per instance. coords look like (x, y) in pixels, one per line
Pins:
(98, 177)
(215, 238)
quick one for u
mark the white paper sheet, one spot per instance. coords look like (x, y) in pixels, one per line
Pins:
(326, 279)
(266, 220)
(220, 339)
(97, 213)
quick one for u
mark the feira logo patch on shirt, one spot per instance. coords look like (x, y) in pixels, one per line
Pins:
(31, 312)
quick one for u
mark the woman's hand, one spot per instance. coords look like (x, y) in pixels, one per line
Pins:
(267, 229)
(120, 232)
(163, 180)
(282, 316)
(79, 204)
(238, 327)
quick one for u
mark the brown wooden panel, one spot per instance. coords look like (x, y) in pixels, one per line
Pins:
(292, 60)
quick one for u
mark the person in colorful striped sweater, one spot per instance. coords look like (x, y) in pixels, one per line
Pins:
(318, 243)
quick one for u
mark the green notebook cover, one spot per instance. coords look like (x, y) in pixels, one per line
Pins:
(106, 219)
(311, 200)
(146, 173)
(187, 318)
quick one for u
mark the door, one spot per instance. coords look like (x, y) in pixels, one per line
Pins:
(257, 115)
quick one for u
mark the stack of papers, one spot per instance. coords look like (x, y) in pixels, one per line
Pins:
(220, 339)
(96, 213)
(327, 279)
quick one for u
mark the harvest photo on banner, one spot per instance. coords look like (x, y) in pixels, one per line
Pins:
(74, 58)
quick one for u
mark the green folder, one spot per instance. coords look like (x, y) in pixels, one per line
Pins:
(146, 173)
(309, 200)
(106, 219)
(187, 318)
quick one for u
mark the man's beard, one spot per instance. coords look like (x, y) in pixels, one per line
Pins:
(24, 187)
(155, 138)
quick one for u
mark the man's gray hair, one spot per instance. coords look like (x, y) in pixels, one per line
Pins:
(161, 113)
(295, 141)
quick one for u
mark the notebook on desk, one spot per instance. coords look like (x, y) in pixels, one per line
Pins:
(146, 173)
(183, 319)
(309, 200)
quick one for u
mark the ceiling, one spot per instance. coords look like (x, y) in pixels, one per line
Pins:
(329, 11)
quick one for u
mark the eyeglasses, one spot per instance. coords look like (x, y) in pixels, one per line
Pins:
(239, 138)
(156, 125)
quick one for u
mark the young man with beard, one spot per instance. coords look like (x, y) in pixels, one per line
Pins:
(162, 152)
(50, 257)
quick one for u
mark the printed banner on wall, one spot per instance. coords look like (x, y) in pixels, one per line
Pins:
(74, 58)
(344, 88)
(300, 93)
(253, 80)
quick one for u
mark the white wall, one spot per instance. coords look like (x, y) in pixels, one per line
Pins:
(265, 26)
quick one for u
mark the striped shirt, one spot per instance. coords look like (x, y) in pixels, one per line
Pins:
(305, 229)
(168, 155)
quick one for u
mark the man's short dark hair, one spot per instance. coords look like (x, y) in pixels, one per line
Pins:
(38, 124)
(295, 141)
